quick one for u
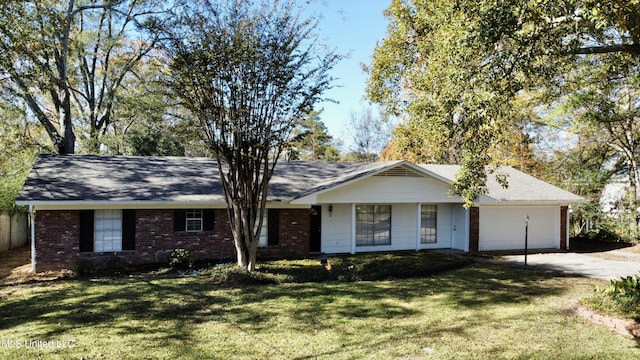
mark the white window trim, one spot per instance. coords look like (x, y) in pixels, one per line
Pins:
(194, 215)
(390, 242)
(435, 235)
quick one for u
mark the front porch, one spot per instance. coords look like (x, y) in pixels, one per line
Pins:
(358, 228)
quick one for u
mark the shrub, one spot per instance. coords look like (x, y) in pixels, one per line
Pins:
(622, 296)
(362, 267)
(180, 259)
(116, 265)
(83, 267)
(234, 275)
(626, 290)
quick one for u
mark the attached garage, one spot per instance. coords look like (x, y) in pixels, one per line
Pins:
(503, 227)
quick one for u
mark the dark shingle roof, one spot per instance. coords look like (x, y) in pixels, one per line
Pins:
(119, 178)
(92, 178)
(129, 178)
(521, 187)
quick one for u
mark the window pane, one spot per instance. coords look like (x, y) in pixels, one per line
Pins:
(373, 225)
(428, 224)
(107, 230)
(264, 232)
(194, 220)
(194, 225)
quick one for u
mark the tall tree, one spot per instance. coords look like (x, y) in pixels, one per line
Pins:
(18, 151)
(311, 141)
(369, 135)
(602, 97)
(146, 120)
(68, 59)
(455, 68)
(249, 71)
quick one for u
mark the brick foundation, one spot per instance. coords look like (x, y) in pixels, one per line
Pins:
(58, 244)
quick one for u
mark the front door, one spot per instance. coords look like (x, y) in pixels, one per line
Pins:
(315, 237)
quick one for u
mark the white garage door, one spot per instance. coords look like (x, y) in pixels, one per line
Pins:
(503, 227)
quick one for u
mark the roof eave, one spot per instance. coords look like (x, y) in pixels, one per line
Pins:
(530, 202)
(142, 204)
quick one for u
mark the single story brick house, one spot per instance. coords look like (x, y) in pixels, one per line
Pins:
(138, 209)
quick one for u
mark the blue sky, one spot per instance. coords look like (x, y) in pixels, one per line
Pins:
(352, 27)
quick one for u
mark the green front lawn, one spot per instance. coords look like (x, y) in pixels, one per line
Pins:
(480, 311)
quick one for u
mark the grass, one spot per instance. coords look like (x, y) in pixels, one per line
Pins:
(477, 312)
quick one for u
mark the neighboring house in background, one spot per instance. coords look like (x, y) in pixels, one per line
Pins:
(614, 196)
(137, 209)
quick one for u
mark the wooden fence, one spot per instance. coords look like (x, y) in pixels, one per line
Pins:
(14, 231)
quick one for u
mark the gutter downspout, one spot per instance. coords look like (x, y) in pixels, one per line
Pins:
(418, 226)
(32, 219)
(568, 222)
(353, 228)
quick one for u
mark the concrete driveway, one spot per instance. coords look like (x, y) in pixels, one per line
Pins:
(603, 265)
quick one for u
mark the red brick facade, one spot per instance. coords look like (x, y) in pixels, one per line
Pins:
(58, 245)
(474, 229)
(563, 227)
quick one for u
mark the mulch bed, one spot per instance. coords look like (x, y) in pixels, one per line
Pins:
(589, 245)
(15, 268)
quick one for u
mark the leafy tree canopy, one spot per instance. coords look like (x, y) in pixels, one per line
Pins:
(311, 141)
(453, 70)
(18, 153)
(67, 60)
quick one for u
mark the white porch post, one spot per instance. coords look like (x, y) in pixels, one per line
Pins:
(418, 225)
(353, 228)
(32, 218)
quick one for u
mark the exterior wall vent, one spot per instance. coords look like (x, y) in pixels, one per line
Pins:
(400, 171)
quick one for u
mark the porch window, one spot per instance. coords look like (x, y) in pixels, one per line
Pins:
(107, 230)
(373, 225)
(428, 224)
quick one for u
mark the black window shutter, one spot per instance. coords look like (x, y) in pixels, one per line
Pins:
(208, 219)
(179, 220)
(273, 222)
(128, 229)
(86, 230)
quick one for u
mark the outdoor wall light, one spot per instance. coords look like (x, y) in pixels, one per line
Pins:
(331, 210)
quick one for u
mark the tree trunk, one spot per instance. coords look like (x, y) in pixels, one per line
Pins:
(244, 237)
(66, 127)
(64, 117)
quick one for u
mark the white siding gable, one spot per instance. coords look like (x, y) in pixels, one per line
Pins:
(390, 189)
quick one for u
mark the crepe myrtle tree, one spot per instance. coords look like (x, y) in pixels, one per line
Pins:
(249, 71)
